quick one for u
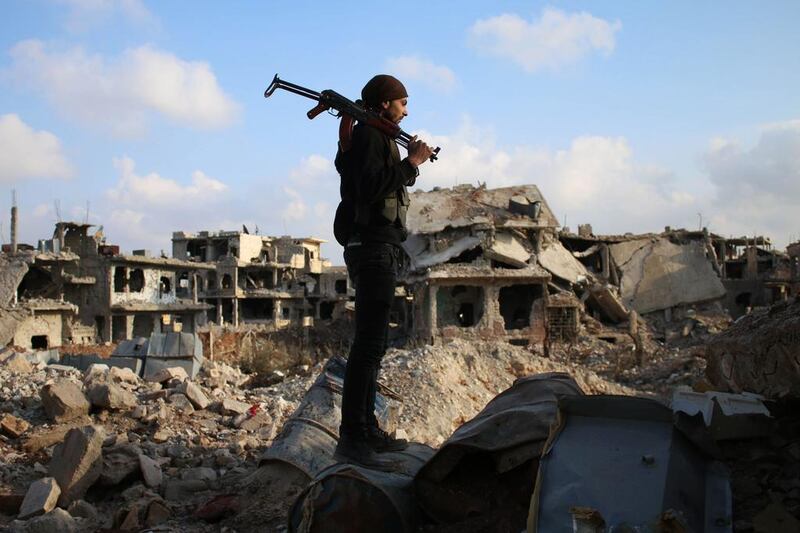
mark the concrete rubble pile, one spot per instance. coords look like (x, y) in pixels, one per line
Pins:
(104, 448)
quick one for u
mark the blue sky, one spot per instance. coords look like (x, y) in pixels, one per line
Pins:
(631, 116)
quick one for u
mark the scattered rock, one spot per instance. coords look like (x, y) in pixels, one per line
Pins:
(57, 520)
(195, 394)
(41, 498)
(19, 364)
(63, 401)
(233, 407)
(157, 513)
(47, 438)
(111, 396)
(82, 509)
(256, 422)
(12, 426)
(166, 374)
(95, 372)
(181, 403)
(77, 462)
(151, 471)
(123, 375)
(120, 463)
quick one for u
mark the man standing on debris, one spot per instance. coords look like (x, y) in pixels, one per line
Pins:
(374, 180)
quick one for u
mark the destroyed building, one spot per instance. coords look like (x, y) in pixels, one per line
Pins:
(473, 264)
(493, 263)
(679, 268)
(258, 279)
(77, 289)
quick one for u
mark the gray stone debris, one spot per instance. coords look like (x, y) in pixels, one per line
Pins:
(77, 462)
(123, 375)
(166, 374)
(120, 463)
(151, 471)
(64, 401)
(233, 407)
(180, 402)
(195, 394)
(57, 520)
(111, 396)
(41, 498)
(82, 509)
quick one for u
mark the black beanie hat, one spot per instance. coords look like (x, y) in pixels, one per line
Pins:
(382, 88)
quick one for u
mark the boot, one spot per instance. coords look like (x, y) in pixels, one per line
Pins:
(354, 447)
(381, 441)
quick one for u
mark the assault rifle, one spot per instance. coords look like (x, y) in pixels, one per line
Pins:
(349, 111)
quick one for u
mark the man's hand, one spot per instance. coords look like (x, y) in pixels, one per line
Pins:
(418, 152)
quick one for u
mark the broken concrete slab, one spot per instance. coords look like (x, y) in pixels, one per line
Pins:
(43, 439)
(111, 396)
(622, 252)
(508, 249)
(605, 299)
(180, 402)
(195, 394)
(151, 471)
(168, 374)
(120, 464)
(229, 406)
(123, 375)
(661, 275)
(77, 462)
(12, 426)
(63, 401)
(41, 498)
(561, 263)
(421, 257)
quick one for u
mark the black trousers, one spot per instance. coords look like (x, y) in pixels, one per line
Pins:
(374, 269)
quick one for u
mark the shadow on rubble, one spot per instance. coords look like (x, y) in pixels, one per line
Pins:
(541, 456)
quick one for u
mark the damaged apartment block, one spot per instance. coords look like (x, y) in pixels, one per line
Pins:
(492, 263)
(258, 279)
(473, 269)
(100, 294)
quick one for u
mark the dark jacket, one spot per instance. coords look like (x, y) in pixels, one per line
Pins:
(374, 179)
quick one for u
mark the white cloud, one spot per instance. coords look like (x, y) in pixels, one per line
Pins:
(757, 188)
(85, 14)
(307, 208)
(27, 153)
(312, 170)
(119, 94)
(595, 179)
(554, 39)
(436, 77)
(154, 190)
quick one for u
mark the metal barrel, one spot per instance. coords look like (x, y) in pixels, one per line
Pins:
(485, 472)
(309, 436)
(347, 498)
